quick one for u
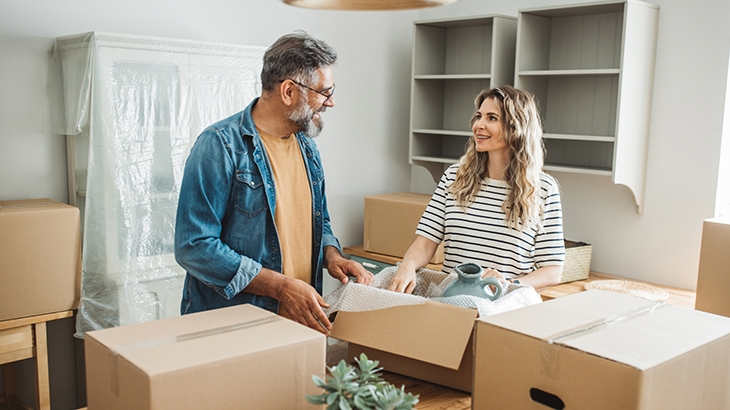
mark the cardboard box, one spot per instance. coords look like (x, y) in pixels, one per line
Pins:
(713, 280)
(429, 341)
(391, 221)
(40, 263)
(229, 358)
(602, 350)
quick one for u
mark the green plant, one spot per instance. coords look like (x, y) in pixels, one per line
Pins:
(348, 387)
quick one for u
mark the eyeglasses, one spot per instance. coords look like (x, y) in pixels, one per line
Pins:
(327, 93)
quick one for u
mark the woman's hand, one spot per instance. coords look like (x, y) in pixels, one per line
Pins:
(493, 273)
(417, 256)
(404, 280)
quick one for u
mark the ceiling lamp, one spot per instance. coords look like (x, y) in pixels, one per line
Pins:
(367, 4)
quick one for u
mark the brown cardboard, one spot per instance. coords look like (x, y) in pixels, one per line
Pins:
(390, 223)
(429, 341)
(713, 279)
(40, 264)
(602, 350)
(229, 358)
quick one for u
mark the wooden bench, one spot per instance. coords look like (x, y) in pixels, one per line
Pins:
(22, 339)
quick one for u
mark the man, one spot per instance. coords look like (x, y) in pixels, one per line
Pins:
(252, 221)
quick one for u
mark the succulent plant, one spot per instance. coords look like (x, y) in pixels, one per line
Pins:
(347, 387)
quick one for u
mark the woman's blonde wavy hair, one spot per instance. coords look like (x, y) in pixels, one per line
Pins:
(522, 131)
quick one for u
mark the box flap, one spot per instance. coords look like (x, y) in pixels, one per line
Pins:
(635, 331)
(432, 332)
(720, 220)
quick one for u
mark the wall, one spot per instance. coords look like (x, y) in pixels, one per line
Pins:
(662, 244)
(365, 142)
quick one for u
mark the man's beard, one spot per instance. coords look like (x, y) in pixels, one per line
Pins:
(303, 118)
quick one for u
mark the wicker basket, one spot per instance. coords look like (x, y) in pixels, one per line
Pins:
(577, 261)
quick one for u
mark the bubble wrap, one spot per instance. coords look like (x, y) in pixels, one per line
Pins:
(430, 284)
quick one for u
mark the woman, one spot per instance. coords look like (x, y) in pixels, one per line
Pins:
(495, 207)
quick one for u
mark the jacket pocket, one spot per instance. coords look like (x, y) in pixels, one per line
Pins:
(250, 193)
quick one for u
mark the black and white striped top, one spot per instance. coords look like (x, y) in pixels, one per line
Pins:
(481, 235)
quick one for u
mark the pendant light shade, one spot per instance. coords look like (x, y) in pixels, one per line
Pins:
(367, 4)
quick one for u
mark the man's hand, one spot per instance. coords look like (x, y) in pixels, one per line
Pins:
(304, 305)
(339, 267)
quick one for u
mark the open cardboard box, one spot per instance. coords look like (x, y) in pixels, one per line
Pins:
(229, 358)
(602, 350)
(429, 341)
(417, 335)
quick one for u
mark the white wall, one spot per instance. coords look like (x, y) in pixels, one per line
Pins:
(662, 244)
(364, 144)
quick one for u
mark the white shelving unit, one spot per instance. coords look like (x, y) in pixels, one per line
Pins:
(453, 60)
(591, 68)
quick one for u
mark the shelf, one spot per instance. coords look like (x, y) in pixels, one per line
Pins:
(576, 137)
(453, 61)
(443, 132)
(591, 67)
(579, 154)
(584, 72)
(577, 170)
(440, 160)
(452, 77)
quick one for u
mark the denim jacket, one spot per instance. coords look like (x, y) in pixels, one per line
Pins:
(225, 231)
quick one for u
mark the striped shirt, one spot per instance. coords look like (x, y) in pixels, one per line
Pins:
(480, 234)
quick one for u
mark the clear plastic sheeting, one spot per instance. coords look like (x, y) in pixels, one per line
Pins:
(134, 106)
(430, 284)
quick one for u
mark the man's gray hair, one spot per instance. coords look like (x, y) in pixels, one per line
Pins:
(298, 56)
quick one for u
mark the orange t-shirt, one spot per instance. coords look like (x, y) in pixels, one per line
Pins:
(293, 214)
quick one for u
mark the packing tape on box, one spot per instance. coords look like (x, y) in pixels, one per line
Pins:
(550, 361)
(162, 341)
